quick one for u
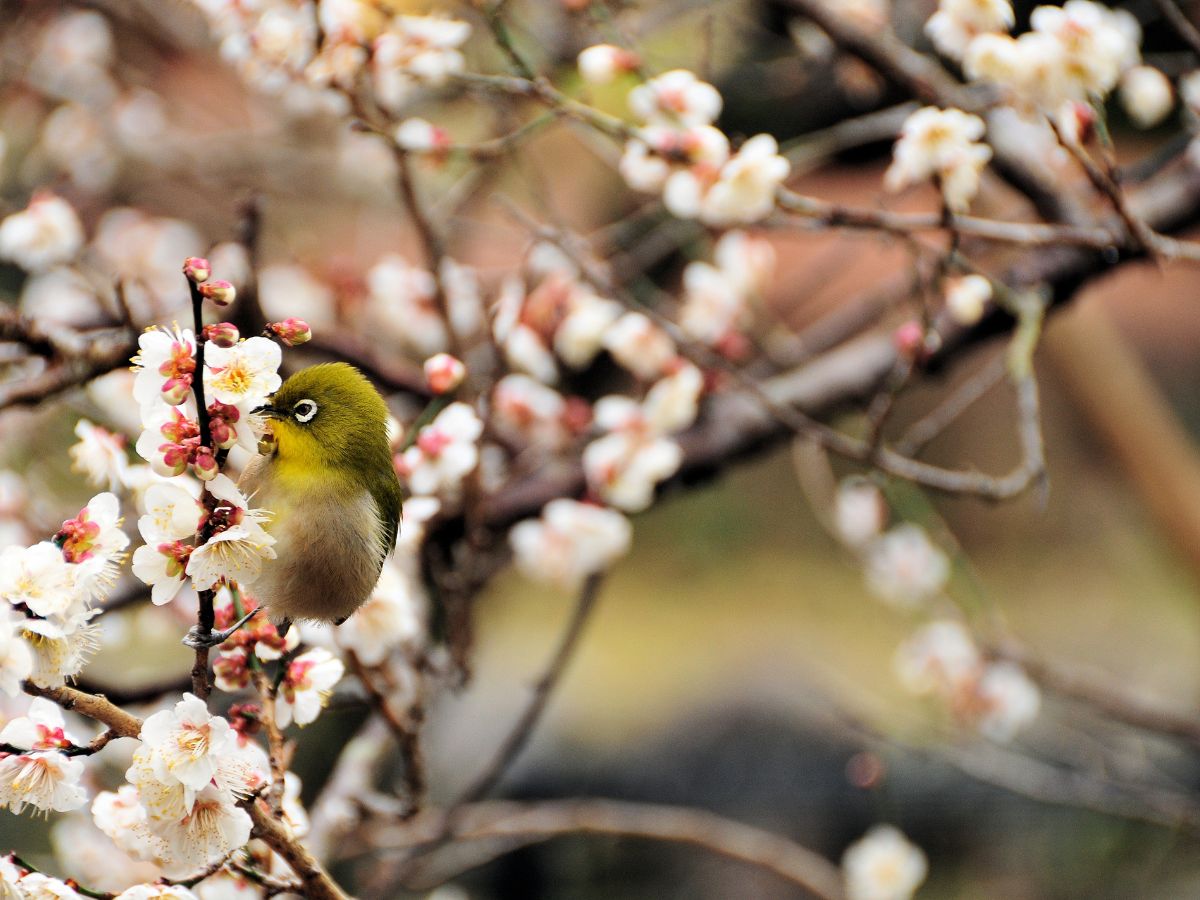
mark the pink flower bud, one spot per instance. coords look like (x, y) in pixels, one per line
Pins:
(204, 464)
(444, 373)
(223, 334)
(909, 339)
(197, 269)
(176, 390)
(219, 292)
(291, 331)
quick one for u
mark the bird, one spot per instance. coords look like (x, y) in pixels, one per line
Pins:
(325, 473)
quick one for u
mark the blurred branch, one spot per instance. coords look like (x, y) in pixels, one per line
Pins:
(1180, 23)
(1106, 696)
(520, 824)
(73, 358)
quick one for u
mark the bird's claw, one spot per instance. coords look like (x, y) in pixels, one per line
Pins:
(199, 639)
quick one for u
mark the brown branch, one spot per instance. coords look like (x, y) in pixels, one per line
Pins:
(527, 823)
(119, 722)
(317, 883)
(276, 750)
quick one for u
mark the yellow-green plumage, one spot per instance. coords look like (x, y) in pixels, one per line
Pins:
(333, 492)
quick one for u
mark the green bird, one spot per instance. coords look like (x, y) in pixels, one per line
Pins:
(327, 477)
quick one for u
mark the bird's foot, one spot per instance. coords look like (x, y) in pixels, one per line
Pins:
(199, 639)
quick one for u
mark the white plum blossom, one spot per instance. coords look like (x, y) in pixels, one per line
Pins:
(940, 658)
(859, 511)
(570, 542)
(445, 452)
(59, 649)
(1146, 96)
(187, 743)
(402, 304)
(659, 151)
(45, 779)
(243, 375)
(743, 190)
(580, 335)
(624, 466)
(525, 409)
(94, 543)
(941, 143)
(236, 551)
(172, 513)
(165, 365)
(673, 402)
(36, 886)
(421, 136)
(210, 829)
(1073, 53)
(156, 892)
(602, 63)
(306, 687)
(100, 455)
(121, 816)
(676, 98)
(904, 567)
(639, 345)
(1007, 701)
(16, 657)
(41, 728)
(883, 865)
(39, 579)
(967, 298)
(958, 22)
(45, 234)
(416, 50)
(162, 566)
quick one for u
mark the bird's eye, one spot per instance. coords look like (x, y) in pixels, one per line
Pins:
(304, 410)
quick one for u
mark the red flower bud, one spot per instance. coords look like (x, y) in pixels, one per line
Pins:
(197, 269)
(223, 334)
(291, 331)
(176, 390)
(219, 292)
(204, 464)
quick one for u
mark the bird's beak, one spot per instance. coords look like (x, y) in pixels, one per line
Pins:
(265, 410)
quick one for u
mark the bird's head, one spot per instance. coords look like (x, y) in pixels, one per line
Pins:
(328, 415)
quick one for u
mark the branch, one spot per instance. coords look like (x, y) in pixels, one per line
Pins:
(317, 883)
(406, 731)
(527, 823)
(119, 722)
(521, 731)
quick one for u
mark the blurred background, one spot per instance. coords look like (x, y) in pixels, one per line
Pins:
(736, 661)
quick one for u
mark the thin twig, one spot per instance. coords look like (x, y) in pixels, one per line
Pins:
(543, 688)
(1181, 23)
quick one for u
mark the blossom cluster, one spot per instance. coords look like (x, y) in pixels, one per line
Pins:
(333, 44)
(679, 152)
(48, 591)
(907, 570)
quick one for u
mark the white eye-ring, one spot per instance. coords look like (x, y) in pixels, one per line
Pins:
(304, 410)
